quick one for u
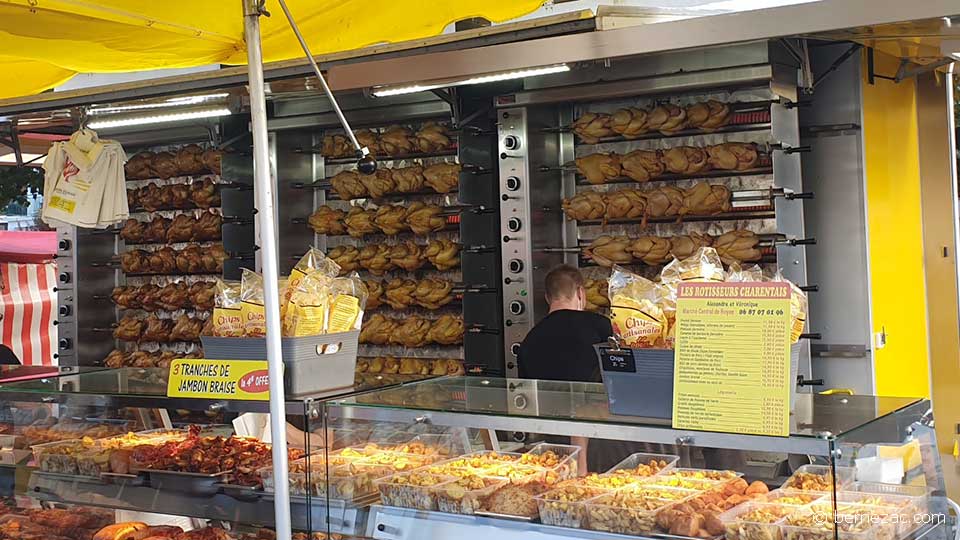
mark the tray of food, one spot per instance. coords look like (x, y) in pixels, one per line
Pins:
(792, 497)
(644, 465)
(113, 453)
(60, 456)
(820, 478)
(468, 495)
(633, 510)
(308, 475)
(851, 522)
(755, 521)
(566, 505)
(560, 460)
(195, 483)
(411, 489)
(900, 510)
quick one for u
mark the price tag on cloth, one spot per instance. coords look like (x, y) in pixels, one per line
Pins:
(219, 379)
(732, 367)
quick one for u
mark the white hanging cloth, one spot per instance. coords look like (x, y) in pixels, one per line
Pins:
(84, 182)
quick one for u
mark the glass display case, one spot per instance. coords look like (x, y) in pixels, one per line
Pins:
(111, 443)
(554, 463)
(451, 457)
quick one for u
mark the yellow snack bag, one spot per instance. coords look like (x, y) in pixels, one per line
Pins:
(703, 265)
(348, 298)
(634, 311)
(798, 308)
(306, 313)
(251, 304)
(227, 319)
(313, 260)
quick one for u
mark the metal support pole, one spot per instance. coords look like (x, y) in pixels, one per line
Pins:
(266, 219)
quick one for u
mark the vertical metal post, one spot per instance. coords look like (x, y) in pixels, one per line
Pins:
(266, 219)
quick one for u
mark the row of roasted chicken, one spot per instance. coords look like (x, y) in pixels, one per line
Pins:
(188, 160)
(192, 259)
(736, 246)
(410, 366)
(441, 177)
(153, 329)
(390, 219)
(181, 196)
(172, 296)
(380, 258)
(702, 199)
(401, 293)
(666, 118)
(182, 228)
(147, 359)
(412, 331)
(644, 165)
(430, 138)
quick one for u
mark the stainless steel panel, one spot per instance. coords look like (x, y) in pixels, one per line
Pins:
(673, 83)
(643, 39)
(293, 166)
(377, 115)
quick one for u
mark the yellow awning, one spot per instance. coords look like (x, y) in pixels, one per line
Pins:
(45, 42)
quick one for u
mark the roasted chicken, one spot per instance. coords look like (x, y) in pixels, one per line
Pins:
(377, 330)
(165, 165)
(596, 294)
(585, 205)
(704, 199)
(443, 254)
(642, 165)
(411, 332)
(128, 329)
(609, 250)
(336, 146)
(345, 256)
(174, 296)
(686, 245)
(433, 293)
(397, 140)
(432, 137)
(156, 329)
(408, 179)
(667, 118)
(204, 194)
(375, 258)
(733, 156)
(374, 293)
(738, 246)
(447, 330)
(391, 219)
(625, 204)
(368, 139)
(686, 160)
(190, 260)
(598, 168)
(591, 127)
(156, 230)
(360, 222)
(163, 261)
(399, 293)
(208, 226)
(139, 167)
(406, 255)
(202, 295)
(180, 229)
(379, 183)
(327, 220)
(190, 160)
(443, 177)
(424, 219)
(186, 328)
(348, 185)
(652, 250)
(708, 116)
(132, 231)
(630, 122)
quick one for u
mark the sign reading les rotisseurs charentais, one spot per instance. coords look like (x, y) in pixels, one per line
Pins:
(219, 379)
(732, 366)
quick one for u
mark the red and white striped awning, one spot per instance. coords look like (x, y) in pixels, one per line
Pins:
(28, 303)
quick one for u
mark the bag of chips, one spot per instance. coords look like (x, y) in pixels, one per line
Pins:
(634, 310)
(227, 317)
(251, 304)
(753, 274)
(306, 313)
(348, 298)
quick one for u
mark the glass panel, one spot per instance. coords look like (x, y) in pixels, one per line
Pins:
(814, 416)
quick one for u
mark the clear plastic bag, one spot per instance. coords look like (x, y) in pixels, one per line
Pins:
(227, 316)
(635, 311)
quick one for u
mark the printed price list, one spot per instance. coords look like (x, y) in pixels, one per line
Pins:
(732, 370)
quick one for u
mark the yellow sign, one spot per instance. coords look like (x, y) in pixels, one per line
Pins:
(732, 367)
(219, 379)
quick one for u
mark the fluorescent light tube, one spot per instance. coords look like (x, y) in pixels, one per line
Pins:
(179, 101)
(493, 77)
(158, 118)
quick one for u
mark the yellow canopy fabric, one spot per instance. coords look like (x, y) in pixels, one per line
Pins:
(45, 42)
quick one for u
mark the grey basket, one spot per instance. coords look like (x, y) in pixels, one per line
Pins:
(311, 364)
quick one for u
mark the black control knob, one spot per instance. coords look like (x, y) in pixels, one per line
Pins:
(511, 142)
(515, 349)
(517, 307)
(65, 277)
(514, 224)
(65, 310)
(65, 244)
(65, 344)
(513, 183)
(515, 266)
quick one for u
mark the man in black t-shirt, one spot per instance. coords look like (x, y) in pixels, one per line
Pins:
(560, 347)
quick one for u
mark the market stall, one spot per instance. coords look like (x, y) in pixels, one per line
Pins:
(571, 153)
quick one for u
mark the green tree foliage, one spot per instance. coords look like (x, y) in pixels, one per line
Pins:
(19, 184)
